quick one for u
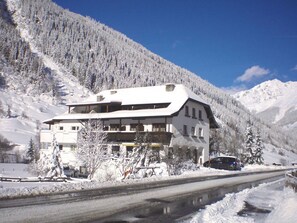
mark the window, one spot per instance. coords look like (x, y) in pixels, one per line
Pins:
(187, 111)
(73, 128)
(201, 133)
(115, 151)
(194, 113)
(105, 150)
(193, 131)
(123, 128)
(200, 115)
(185, 130)
(61, 147)
(159, 127)
(61, 128)
(170, 153)
(129, 150)
(105, 128)
(137, 127)
(73, 147)
(114, 127)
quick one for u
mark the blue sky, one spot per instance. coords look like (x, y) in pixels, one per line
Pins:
(234, 44)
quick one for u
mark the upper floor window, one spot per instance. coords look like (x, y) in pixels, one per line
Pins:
(193, 132)
(185, 130)
(201, 133)
(73, 128)
(200, 115)
(61, 127)
(123, 128)
(187, 111)
(114, 127)
(159, 127)
(194, 113)
(137, 127)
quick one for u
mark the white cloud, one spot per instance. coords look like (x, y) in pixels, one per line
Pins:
(252, 72)
(294, 68)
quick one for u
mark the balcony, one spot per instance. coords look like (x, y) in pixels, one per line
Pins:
(157, 137)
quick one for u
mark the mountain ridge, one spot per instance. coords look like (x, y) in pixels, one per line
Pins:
(274, 101)
(99, 58)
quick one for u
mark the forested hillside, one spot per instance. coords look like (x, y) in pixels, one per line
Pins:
(98, 58)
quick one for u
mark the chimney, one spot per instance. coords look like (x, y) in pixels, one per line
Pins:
(100, 98)
(170, 87)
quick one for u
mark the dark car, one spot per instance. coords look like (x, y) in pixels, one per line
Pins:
(224, 162)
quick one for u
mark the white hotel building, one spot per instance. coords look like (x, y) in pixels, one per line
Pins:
(175, 117)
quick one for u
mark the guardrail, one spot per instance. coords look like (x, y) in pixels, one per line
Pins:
(34, 179)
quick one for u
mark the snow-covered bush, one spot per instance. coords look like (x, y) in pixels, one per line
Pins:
(41, 166)
(56, 167)
(108, 171)
(181, 167)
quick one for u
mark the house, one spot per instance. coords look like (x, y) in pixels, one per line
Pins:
(177, 120)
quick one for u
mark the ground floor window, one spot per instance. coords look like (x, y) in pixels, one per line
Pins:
(73, 148)
(129, 150)
(115, 151)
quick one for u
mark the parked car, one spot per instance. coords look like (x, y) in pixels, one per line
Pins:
(225, 163)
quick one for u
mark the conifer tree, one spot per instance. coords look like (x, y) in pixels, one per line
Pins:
(258, 156)
(248, 155)
(31, 151)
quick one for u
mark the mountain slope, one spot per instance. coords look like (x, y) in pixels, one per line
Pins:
(78, 53)
(273, 101)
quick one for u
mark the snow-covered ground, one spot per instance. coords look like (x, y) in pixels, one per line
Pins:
(15, 189)
(275, 203)
(281, 203)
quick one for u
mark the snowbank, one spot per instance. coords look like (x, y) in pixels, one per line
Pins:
(281, 203)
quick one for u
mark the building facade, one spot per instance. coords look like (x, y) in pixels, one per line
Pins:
(175, 118)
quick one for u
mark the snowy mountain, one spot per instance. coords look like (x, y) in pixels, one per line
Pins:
(273, 101)
(50, 57)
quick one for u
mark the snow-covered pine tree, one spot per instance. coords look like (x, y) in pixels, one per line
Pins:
(91, 146)
(259, 147)
(56, 169)
(31, 151)
(248, 156)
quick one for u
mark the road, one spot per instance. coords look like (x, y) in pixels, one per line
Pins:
(99, 205)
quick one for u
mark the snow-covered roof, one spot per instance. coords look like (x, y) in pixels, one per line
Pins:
(176, 95)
